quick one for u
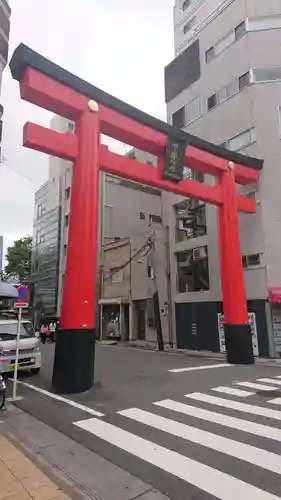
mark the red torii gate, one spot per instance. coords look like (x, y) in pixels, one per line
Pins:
(94, 112)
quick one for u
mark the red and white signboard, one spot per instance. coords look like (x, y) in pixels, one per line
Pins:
(23, 299)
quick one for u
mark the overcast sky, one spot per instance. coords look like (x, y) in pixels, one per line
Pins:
(121, 46)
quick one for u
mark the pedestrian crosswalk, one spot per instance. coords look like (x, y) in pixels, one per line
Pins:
(211, 441)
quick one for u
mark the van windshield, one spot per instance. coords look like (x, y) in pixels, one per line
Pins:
(10, 329)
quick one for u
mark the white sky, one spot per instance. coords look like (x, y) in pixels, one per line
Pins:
(121, 46)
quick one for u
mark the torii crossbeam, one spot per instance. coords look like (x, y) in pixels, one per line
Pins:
(51, 87)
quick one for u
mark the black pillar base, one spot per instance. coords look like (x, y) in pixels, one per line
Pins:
(74, 361)
(238, 343)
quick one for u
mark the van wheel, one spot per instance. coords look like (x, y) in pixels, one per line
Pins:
(35, 370)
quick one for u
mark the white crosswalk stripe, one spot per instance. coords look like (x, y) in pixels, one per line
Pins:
(233, 392)
(177, 444)
(258, 387)
(236, 405)
(204, 367)
(269, 381)
(225, 420)
(275, 401)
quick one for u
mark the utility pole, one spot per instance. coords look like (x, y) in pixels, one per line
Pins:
(159, 332)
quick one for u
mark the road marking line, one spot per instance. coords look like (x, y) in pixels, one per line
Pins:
(269, 381)
(226, 420)
(203, 367)
(259, 387)
(62, 399)
(235, 405)
(233, 392)
(276, 401)
(251, 454)
(212, 481)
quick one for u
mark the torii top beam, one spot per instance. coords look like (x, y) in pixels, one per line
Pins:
(117, 116)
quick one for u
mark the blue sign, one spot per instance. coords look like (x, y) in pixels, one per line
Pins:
(23, 293)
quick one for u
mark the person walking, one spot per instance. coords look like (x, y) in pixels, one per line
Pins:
(52, 330)
(44, 332)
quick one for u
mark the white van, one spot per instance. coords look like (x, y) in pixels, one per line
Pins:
(30, 357)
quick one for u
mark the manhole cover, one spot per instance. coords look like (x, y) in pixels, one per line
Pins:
(270, 394)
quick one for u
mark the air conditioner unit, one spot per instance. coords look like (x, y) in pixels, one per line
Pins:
(199, 253)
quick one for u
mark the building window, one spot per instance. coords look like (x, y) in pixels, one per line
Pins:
(178, 118)
(66, 221)
(155, 218)
(188, 26)
(264, 23)
(244, 81)
(186, 4)
(131, 154)
(193, 270)
(117, 277)
(209, 54)
(71, 126)
(251, 260)
(67, 193)
(39, 236)
(150, 272)
(190, 220)
(240, 141)
(192, 175)
(142, 216)
(39, 210)
(267, 74)
(240, 30)
(193, 110)
(212, 101)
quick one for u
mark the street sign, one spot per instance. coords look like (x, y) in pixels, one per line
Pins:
(174, 160)
(23, 298)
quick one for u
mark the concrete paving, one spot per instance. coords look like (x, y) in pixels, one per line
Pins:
(21, 479)
(188, 427)
(88, 475)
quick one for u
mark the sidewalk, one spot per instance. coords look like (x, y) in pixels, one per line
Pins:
(21, 479)
(81, 473)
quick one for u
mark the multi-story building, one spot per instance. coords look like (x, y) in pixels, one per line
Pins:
(134, 272)
(5, 13)
(127, 210)
(224, 85)
(45, 251)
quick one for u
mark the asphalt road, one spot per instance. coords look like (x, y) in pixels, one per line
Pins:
(196, 434)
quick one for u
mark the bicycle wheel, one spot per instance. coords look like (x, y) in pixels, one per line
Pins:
(2, 399)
